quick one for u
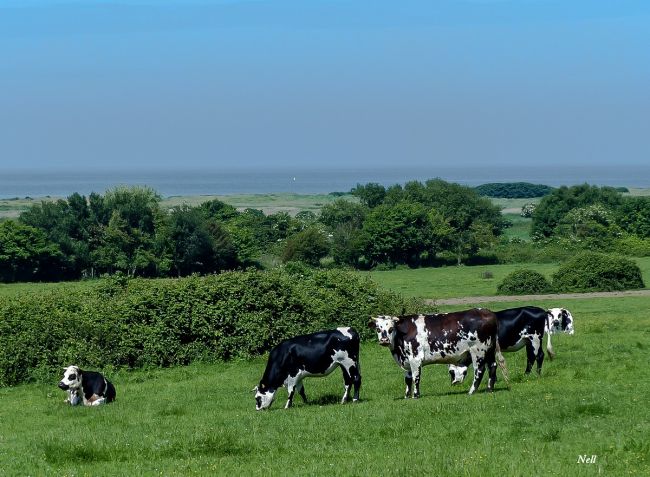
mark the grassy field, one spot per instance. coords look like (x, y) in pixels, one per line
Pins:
(268, 203)
(201, 420)
(448, 282)
(520, 226)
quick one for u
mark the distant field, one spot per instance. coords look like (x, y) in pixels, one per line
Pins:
(200, 419)
(269, 203)
(448, 282)
(520, 226)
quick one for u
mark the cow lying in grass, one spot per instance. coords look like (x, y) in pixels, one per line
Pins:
(418, 340)
(316, 354)
(87, 387)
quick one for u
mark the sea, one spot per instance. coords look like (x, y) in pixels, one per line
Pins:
(302, 180)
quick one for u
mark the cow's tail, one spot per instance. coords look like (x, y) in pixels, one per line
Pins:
(501, 361)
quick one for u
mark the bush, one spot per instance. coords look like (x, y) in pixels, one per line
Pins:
(524, 282)
(133, 323)
(513, 190)
(591, 271)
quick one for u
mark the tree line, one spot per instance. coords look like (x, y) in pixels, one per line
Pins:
(127, 230)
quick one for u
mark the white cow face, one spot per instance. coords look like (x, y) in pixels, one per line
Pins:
(560, 320)
(457, 374)
(71, 378)
(385, 328)
(263, 397)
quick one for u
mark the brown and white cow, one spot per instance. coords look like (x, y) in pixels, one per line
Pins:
(418, 340)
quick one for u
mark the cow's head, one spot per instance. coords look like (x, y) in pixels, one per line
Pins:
(385, 328)
(71, 378)
(560, 321)
(457, 374)
(264, 396)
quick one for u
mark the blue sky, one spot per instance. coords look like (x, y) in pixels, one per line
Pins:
(235, 84)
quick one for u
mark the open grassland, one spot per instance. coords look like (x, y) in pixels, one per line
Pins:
(520, 227)
(447, 282)
(591, 400)
(8, 289)
(268, 203)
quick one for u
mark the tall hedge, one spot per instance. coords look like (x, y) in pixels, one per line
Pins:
(592, 272)
(140, 323)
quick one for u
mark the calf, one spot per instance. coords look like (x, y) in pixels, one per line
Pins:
(88, 387)
(316, 354)
(559, 320)
(418, 340)
(518, 327)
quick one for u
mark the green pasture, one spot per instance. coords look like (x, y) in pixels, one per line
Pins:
(454, 281)
(520, 227)
(200, 420)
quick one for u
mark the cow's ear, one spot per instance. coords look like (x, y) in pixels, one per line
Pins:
(254, 390)
(372, 324)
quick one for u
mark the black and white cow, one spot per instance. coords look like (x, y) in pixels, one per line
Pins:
(316, 354)
(559, 320)
(418, 340)
(518, 327)
(87, 387)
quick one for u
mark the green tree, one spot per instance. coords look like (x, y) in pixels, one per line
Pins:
(554, 207)
(398, 234)
(26, 254)
(309, 246)
(371, 194)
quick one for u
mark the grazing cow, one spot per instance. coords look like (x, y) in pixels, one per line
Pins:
(88, 387)
(559, 320)
(316, 354)
(418, 340)
(517, 327)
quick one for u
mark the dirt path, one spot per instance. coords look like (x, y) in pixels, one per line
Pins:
(468, 300)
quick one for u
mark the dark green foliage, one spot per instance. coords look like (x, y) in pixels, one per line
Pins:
(553, 207)
(591, 271)
(397, 234)
(371, 194)
(309, 246)
(341, 212)
(524, 282)
(138, 322)
(513, 190)
(26, 254)
(633, 216)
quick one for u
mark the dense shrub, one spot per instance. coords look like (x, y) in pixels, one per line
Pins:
(591, 271)
(138, 323)
(513, 190)
(524, 282)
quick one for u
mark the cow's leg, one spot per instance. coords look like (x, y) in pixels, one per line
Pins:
(348, 381)
(408, 379)
(491, 361)
(291, 389)
(549, 346)
(539, 351)
(530, 354)
(356, 378)
(478, 362)
(301, 391)
(99, 401)
(416, 371)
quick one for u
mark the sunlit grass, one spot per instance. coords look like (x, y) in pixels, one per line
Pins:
(201, 419)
